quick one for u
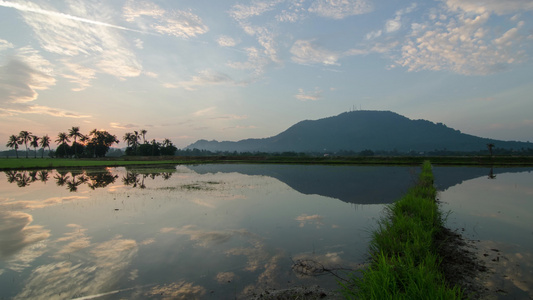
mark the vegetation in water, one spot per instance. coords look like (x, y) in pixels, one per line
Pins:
(403, 251)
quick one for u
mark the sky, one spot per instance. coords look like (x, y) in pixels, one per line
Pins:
(230, 70)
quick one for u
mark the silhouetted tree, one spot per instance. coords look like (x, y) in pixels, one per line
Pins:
(25, 137)
(75, 133)
(45, 142)
(34, 143)
(99, 142)
(490, 146)
(14, 142)
(62, 140)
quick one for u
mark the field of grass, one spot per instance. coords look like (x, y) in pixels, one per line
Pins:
(52, 163)
(404, 260)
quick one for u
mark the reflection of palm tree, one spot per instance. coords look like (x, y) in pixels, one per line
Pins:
(43, 175)
(61, 179)
(166, 175)
(14, 142)
(11, 176)
(131, 178)
(101, 179)
(23, 179)
(33, 176)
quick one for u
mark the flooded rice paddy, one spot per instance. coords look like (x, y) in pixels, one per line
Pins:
(231, 231)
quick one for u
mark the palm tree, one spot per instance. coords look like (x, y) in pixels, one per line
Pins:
(132, 139)
(25, 137)
(490, 146)
(14, 142)
(62, 139)
(34, 143)
(45, 142)
(143, 133)
(75, 133)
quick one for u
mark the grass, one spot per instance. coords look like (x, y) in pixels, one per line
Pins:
(51, 163)
(404, 260)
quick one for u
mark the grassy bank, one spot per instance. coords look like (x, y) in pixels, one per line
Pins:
(48, 163)
(404, 260)
(54, 163)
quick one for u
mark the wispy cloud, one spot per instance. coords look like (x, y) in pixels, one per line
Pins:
(122, 126)
(179, 23)
(33, 8)
(306, 52)
(340, 9)
(204, 78)
(305, 96)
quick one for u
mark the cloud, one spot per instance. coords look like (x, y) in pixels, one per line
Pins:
(204, 112)
(177, 23)
(490, 6)
(79, 75)
(69, 35)
(19, 82)
(5, 45)
(313, 96)
(204, 78)
(226, 41)
(256, 8)
(122, 126)
(340, 9)
(256, 61)
(306, 52)
(463, 42)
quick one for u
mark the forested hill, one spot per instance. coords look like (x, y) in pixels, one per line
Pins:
(361, 130)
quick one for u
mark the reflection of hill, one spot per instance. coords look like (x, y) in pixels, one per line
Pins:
(353, 184)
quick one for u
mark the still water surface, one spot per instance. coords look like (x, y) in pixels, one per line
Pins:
(217, 231)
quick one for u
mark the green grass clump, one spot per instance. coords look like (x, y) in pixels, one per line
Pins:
(404, 260)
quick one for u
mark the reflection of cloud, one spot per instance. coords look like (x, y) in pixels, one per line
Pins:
(314, 219)
(100, 270)
(202, 237)
(178, 290)
(16, 234)
(510, 270)
(77, 240)
(35, 204)
(224, 277)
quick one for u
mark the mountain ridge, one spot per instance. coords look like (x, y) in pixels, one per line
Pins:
(361, 130)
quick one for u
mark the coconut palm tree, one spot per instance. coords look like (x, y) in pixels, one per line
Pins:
(490, 146)
(45, 142)
(25, 137)
(14, 142)
(143, 133)
(34, 143)
(75, 133)
(62, 139)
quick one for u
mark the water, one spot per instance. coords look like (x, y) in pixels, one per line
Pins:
(496, 210)
(206, 231)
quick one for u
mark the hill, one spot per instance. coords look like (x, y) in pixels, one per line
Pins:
(360, 130)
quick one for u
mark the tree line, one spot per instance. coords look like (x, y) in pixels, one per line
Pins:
(95, 144)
